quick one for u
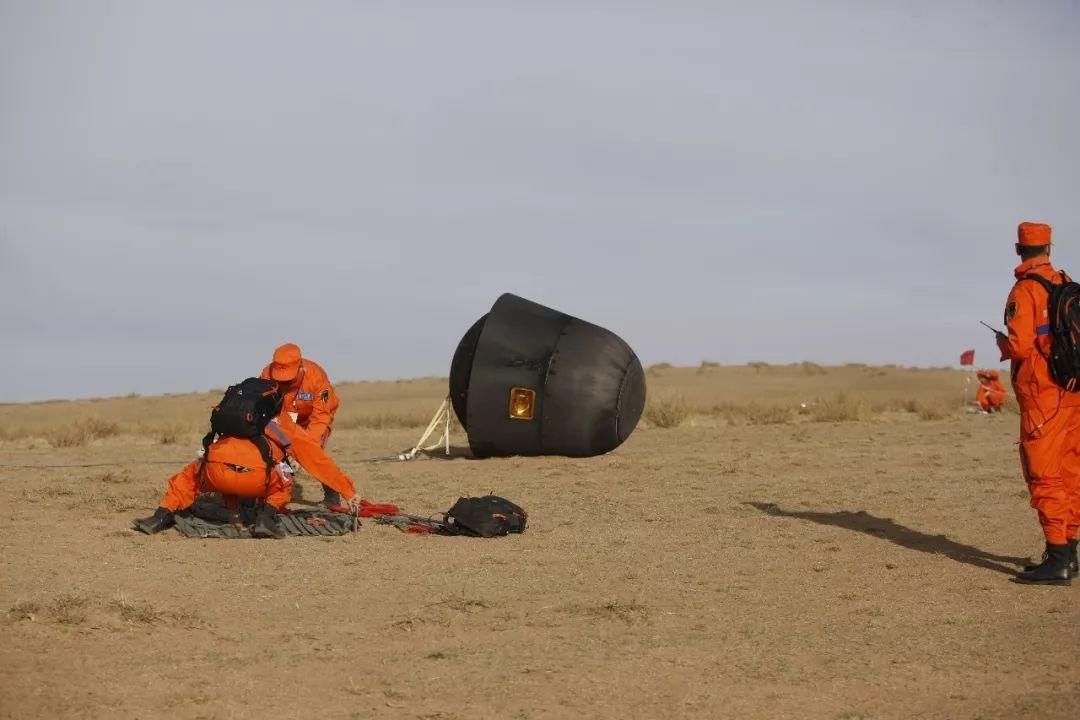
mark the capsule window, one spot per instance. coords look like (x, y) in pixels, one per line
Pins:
(522, 403)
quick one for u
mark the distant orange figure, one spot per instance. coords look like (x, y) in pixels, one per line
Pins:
(991, 394)
(1049, 416)
(309, 398)
(252, 466)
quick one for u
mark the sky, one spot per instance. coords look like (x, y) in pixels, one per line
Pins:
(185, 186)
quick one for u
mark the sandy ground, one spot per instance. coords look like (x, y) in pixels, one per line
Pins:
(716, 569)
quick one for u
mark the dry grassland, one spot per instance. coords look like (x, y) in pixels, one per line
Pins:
(792, 542)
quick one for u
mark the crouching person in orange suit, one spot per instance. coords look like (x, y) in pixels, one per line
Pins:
(991, 395)
(308, 398)
(235, 466)
(1049, 416)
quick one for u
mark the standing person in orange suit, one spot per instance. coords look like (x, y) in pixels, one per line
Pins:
(309, 399)
(250, 463)
(1049, 416)
(991, 394)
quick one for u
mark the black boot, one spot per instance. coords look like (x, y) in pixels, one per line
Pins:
(1053, 570)
(1074, 562)
(330, 496)
(266, 524)
(162, 519)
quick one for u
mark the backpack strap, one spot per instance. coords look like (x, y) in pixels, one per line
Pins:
(1049, 286)
(267, 456)
(207, 441)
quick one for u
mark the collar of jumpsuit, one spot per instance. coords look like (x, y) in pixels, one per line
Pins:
(1028, 265)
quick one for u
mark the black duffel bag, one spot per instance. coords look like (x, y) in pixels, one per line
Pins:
(487, 516)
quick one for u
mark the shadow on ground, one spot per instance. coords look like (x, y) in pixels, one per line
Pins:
(456, 453)
(901, 535)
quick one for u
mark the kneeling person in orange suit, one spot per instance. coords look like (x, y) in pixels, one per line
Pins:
(309, 399)
(249, 467)
(1049, 416)
(991, 394)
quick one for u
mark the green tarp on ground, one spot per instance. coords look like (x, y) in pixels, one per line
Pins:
(209, 519)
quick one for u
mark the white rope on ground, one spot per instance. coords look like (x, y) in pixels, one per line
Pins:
(444, 417)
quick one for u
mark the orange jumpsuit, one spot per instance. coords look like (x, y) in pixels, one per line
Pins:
(312, 398)
(991, 394)
(1049, 416)
(234, 467)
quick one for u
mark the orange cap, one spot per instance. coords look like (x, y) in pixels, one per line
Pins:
(286, 363)
(1031, 234)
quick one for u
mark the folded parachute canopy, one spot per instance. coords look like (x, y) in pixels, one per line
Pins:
(529, 380)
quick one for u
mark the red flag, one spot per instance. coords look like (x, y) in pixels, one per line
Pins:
(967, 357)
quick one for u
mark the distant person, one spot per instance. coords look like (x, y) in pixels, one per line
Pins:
(991, 394)
(245, 453)
(309, 398)
(1049, 416)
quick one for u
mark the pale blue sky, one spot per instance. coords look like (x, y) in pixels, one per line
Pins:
(183, 186)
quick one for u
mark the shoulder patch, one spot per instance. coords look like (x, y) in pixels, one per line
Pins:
(1010, 311)
(325, 395)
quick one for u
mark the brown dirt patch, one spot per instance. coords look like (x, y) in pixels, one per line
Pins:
(763, 562)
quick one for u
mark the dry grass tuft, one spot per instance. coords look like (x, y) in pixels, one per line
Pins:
(69, 609)
(758, 365)
(383, 421)
(73, 609)
(135, 612)
(706, 366)
(767, 415)
(13, 433)
(840, 408)
(67, 437)
(463, 604)
(79, 433)
(185, 618)
(926, 410)
(25, 610)
(667, 411)
(168, 435)
(936, 411)
(98, 428)
(657, 368)
(753, 413)
(628, 612)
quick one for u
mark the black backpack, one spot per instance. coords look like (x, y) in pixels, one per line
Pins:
(244, 412)
(487, 516)
(1063, 311)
